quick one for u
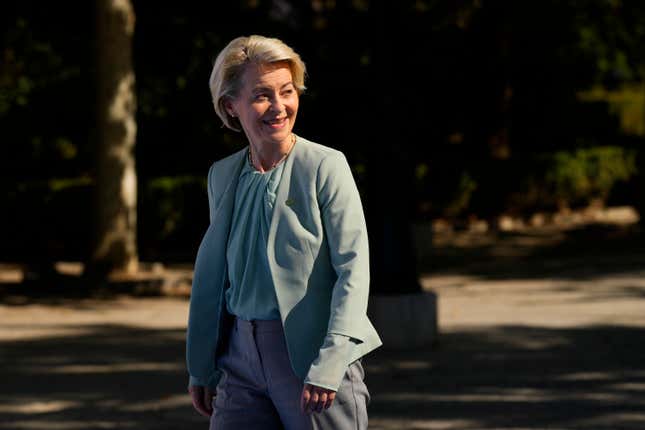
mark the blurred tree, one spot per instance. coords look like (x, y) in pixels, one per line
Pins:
(115, 244)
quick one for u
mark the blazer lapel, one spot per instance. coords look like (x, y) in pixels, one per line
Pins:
(216, 237)
(279, 209)
(282, 195)
(209, 280)
(225, 205)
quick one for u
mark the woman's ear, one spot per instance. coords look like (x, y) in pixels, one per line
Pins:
(228, 105)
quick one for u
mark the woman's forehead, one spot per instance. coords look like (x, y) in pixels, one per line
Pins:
(267, 73)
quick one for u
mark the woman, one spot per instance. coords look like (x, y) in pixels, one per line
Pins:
(278, 319)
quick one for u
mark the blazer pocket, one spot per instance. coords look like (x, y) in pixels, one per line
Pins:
(298, 247)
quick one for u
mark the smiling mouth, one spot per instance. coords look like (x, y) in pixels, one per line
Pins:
(276, 123)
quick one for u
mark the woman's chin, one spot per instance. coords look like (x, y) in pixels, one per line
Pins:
(279, 136)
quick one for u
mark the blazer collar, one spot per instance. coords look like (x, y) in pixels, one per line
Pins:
(228, 196)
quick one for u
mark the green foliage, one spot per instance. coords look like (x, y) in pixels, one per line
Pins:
(170, 184)
(578, 176)
(62, 184)
(172, 207)
(444, 193)
(462, 195)
(29, 66)
(627, 102)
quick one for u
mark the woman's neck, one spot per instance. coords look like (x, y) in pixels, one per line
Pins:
(266, 157)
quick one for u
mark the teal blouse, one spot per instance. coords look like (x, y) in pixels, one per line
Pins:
(251, 295)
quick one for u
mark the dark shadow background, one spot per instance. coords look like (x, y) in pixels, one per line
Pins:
(462, 109)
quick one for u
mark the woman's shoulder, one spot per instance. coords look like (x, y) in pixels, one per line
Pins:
(230, 160)
(316, 152)
(222, 170)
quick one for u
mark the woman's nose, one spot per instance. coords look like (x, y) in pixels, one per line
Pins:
(277, 105)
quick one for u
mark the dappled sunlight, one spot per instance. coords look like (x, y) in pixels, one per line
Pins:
(25, 332)
(11, 273)
(181, 401)
(391, 424)
(587, 376)
(630, 386)
(529, 377)
(37, 407)
(69, 314)
(496, 395)
(518, 376)
(103, 368)
(517, 339)
(599, 298)
(126, 367)
(98, 376)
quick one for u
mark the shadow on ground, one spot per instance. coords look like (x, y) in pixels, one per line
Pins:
(516, 377)
(584, 253)
(111, 376)
(92, 376)
(73, 291)
(578, 253)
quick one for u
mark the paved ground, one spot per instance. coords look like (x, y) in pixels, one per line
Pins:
(530, 339)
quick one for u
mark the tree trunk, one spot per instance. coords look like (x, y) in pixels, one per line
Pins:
(115, 240)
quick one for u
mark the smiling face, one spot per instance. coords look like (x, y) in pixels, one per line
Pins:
(266, 105)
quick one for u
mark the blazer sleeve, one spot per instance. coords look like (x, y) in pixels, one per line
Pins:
(344, 224)
(210, 186)
(212, 380)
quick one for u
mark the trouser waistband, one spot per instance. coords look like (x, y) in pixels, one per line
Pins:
(258, 326)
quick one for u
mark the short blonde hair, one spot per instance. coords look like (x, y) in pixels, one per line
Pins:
(226, 77)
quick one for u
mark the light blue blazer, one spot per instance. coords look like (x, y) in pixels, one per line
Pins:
(318, 256)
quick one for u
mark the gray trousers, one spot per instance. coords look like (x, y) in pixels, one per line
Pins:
(259, 390)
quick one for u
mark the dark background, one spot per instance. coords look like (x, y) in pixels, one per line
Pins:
(468, 109)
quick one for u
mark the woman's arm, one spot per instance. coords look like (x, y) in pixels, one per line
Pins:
(346, 232)
(201, 394)
(344, 223)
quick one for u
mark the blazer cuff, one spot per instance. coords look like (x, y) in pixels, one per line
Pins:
(211, 383)
(329, 368)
